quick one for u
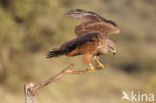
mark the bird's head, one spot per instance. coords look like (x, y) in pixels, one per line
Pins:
(111, 47)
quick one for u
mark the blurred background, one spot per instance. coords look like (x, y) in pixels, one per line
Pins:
(29, 29)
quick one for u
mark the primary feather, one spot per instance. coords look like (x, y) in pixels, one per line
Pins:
(87, 16)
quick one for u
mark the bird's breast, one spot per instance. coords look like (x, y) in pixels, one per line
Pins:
(102, 47)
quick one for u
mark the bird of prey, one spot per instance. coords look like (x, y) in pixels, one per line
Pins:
(92, 40)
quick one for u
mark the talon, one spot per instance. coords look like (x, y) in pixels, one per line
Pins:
(91, 68)
(100, 65)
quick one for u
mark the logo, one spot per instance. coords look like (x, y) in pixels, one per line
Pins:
(140, 97)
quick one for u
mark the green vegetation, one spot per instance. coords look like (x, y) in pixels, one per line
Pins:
(30, 28)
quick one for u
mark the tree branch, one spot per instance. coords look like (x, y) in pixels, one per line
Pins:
(31, 88)
(52, 79)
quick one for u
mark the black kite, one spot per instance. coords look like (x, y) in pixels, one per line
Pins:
(92, 39)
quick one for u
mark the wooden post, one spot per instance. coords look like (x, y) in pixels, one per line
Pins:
(30, 95)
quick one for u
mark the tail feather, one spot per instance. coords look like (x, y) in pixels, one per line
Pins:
(56, 53)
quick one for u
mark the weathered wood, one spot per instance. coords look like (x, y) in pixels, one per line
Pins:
(30, 95)
(54, 78)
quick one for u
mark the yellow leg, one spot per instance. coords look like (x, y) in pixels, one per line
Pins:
(100, 65)
(91, 68)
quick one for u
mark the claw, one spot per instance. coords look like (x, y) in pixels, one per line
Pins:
(100, 65)
(91, 68)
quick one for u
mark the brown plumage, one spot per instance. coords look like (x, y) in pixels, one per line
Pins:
(92, 39)
(92, 22)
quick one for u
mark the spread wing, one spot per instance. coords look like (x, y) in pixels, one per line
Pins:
(92, 22)
(100, 27)
(72, 44)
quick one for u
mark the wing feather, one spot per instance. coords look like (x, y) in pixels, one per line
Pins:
(74, 43)
(82, 15)
(92, 22)
(87, 16)
(100, 27)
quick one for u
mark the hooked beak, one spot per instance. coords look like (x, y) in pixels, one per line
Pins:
(114, 52)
